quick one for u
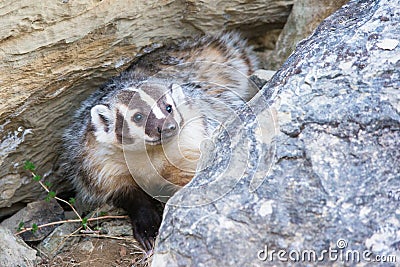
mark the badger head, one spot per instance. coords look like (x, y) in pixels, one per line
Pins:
(139, 116)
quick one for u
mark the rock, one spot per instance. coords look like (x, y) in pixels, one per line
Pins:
(13, 251)
(59, 239)
(305, 16)
(67, 235)
(86, 246)
(117, 228)
(329, 179)
(53, 55)
(261, 77)
(39, 213)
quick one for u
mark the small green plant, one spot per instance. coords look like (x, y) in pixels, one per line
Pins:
(35, 227)
(29, 166)
(20, 226)
(84, 223)
(72, 201)
(50, 195)
(102, 213)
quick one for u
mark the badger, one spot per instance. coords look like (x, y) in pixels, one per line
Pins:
(136, 140)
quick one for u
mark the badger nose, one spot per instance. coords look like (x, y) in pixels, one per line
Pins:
(170, 127)
(167, 128)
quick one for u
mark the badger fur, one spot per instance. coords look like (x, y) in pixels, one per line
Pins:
(135, 140)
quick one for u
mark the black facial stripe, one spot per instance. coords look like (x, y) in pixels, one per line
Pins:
(122, 129)
(163, 104)
(119, 123)
(139, 104)
(125, 96)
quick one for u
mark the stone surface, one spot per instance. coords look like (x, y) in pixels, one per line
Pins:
(58, 240)
(261, 77)
(117, 228)
(306, 15)
(13, 251)
(38, 212)
(327, 179)
(68, 235)
(54, 54)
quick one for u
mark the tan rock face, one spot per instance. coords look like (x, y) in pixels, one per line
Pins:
(306, 15)
(53, 54)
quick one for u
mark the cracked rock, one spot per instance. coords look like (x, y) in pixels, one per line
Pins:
(313, 164)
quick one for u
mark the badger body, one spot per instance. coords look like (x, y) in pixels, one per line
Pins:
(137, 139)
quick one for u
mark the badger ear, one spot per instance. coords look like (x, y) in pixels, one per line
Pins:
(177, 92)
(101, 117)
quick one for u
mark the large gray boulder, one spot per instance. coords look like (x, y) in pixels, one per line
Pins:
(327, 179)
(13, 251)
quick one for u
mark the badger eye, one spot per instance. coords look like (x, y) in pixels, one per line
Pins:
(137, 117)
(168, 108)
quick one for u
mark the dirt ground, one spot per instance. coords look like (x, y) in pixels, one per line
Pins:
(100, 252)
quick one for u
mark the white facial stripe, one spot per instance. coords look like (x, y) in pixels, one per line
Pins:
(148, 99)
(123, 109)
(133, 89)
(157, 111)
(169, 99)
(152, 103)
(136, 131)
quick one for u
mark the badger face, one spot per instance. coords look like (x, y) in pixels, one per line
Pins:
(137, 117)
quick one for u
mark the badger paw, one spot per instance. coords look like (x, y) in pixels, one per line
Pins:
(145, 225)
